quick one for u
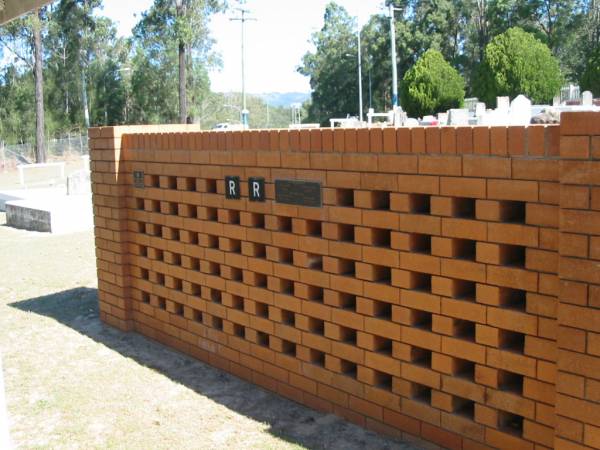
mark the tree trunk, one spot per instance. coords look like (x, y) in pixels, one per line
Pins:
(40, 145)
(182, 85)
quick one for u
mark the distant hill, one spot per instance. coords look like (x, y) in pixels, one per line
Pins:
(284, 98)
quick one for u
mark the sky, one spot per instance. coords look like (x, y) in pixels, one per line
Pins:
(275, 42)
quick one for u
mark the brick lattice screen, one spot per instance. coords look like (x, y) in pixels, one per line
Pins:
(448, 289)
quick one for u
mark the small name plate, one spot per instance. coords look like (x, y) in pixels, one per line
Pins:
(297, 192)
(138, 179)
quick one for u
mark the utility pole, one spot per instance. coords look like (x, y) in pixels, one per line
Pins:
(243, 19)
(360, 92)
(393, 46)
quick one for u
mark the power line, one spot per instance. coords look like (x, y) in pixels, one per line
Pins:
(243, 19)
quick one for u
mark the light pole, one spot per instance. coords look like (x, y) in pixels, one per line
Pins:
(360, 93)
(393, 45)
(243, 19)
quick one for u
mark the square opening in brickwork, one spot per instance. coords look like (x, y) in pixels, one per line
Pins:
(462, 368)
(178, 309)
(512, 211)
(213, 268)
(192, 237)
(288, 317)
(314, 293)
(139, 204)
(314, 261)
(260, 280)
(158, 230)
(420, 356)
(512, 255)
(313, 228)
(347, 267)
(211, 186)
(195, 264)
(382, 310)
(257, 220)
(145, 274)
(217, 323)
(420, 393)
(510, 423)
(178, 284)
(154, 181)
(419, 243)
(382, 380)
(513, 299)
(345, 232)
(176, 259)
(155, 206)
(211, 214)
(381, 237)
(162, 303)
(189, 184)
(316, 357)
(286, 287)
(510, 382)
(173, 208)
(380, 200)
(145, 297)
(233, 216)
(160, 278)
(159, 254)
(192, 211)
(463, 207)
(348, 335)
(288, 348)
(141, 227)
(262, 339)
(421, 319)
(172, 182)
(285, 255)
(236, 274)
(382, 274)
(143, 251)
(212, 241)
(382, 345)
(284, 224)
(348, 368)
(235, 245)
(420, 281)
(216, 296)
(512, 341)
(464, 407)
(464, 329)
(347, 301)
(239, 330)
(261, 309)
(419, 203)
(197, 316)
(464, 290)
(175, 234)
(464, 249)
(196, 289)
(344, 197)
(316, 326)
(237, 302)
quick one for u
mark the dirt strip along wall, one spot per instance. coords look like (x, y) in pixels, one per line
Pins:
(447, 290)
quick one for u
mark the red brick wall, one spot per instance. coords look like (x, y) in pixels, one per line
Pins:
(421, 300)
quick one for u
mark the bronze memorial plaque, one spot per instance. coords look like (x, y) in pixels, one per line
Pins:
(298, 192)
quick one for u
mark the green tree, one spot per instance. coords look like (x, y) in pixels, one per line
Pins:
(515, 62)
(590, 79)
(173, 33)
(332, 68)
(431, 86)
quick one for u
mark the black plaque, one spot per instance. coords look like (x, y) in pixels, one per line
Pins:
(297, 192)
(138, 179)
(232, 188)
(256, 189)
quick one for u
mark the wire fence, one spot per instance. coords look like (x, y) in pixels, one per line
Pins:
(62, 149)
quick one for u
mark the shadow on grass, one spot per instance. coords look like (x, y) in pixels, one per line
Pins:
(78, 309)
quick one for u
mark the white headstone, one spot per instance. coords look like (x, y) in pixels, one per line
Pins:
(556, 101)
(458, 116)
(587, 98)
(520, 111)
(503, 103)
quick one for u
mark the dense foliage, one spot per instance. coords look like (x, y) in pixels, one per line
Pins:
(431, 85)
(459, 29)
(590, 79)
(515, 62)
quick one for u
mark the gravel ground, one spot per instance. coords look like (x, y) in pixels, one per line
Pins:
(72, 382)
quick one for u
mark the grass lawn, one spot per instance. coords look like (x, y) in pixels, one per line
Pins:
(72, 382)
